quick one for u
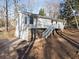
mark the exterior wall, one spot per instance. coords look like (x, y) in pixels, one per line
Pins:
(21, 28)
(54, 23)
(43, 23)
(58, 25)
(17, 32)
(34, 24)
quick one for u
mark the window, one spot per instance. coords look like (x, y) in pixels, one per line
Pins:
(25, 20)
(31, 20)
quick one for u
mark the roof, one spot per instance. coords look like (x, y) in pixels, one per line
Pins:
(44, 17)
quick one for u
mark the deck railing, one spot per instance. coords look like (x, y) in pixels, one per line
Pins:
(48, 31)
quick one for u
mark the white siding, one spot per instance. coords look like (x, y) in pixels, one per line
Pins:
(21, 28)
(43, 23)
(58, 25)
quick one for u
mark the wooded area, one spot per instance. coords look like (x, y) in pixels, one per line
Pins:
(66, 10)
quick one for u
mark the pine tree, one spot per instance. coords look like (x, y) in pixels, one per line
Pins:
(42, 12)
(75, 4)
(66, 10)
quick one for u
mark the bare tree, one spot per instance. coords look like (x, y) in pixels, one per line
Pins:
(2, 12)
(6, 23)
(30, 5)
(52, 9)
(15, 8)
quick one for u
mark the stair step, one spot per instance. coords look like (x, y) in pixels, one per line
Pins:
(48, 31)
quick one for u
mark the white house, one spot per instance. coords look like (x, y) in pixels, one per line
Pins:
(27, 21)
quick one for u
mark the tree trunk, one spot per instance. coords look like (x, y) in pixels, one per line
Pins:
(76, 22)
(6, 22)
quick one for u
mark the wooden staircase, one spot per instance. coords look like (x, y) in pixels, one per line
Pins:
(48, 31)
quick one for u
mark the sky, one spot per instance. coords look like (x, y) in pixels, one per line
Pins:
(36, 4)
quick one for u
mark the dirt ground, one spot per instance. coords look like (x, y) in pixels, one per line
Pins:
(72, 33)
(49, 48)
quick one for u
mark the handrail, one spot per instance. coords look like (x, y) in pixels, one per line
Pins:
(48, 31)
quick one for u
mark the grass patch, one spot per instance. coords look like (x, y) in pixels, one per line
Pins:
(7, 35)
